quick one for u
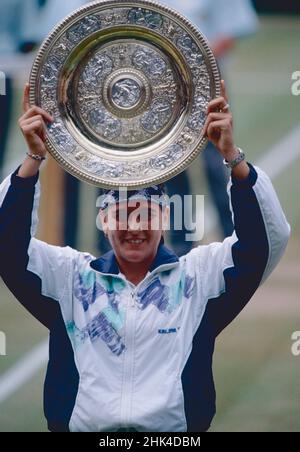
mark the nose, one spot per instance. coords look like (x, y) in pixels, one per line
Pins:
(133, 224)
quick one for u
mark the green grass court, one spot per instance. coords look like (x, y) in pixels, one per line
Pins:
(256, 375)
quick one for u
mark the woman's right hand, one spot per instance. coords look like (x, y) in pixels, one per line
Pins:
(32, 125)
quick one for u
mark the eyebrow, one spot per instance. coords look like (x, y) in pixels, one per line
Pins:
(132, 209)
(138, 206)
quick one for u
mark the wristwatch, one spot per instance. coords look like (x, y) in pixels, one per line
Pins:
(235, 161)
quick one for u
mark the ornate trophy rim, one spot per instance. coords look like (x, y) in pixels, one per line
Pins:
(102, 5)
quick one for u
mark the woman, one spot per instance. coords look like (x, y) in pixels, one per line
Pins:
(132, 333)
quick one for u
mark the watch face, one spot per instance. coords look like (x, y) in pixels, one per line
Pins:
(128, 84)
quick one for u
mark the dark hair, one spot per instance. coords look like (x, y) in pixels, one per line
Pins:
(162, 187)
(104, 191)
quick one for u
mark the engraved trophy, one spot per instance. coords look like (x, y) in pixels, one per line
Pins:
(128, 84)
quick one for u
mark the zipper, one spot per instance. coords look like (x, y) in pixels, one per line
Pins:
(132, 299)
(128, 363)
(129, 339)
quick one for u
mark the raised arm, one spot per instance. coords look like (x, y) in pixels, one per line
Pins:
(32, 125)
(34, 271)
(233, 269)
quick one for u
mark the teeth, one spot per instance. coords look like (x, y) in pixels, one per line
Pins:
(135, 241)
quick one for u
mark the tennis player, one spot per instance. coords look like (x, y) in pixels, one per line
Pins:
(132, 332)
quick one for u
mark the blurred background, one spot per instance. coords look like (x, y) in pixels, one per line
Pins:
(256, 375)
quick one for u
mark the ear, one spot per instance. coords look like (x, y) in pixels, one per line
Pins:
(104, 221)
(166, 218)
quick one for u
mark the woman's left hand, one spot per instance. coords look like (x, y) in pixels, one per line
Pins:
(218, 126)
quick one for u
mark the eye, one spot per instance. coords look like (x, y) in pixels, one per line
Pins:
(146, 214)
(119, 215)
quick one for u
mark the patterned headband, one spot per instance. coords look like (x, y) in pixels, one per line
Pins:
(155, 194)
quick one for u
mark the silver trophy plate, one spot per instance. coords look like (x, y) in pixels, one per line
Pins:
(128, 84)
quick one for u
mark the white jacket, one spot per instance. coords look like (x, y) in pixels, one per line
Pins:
(141, 355)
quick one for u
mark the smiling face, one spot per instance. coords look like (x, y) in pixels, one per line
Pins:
(135, 231)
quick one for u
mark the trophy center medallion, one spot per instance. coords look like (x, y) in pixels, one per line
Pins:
(125, 93)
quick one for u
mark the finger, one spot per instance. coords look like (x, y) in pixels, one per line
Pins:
(36, 126)
(42, 131)
(35, 129)
(218, 115)
(25, 103)
(214, 117)
(222, 125)
(216, 104)
(37, 111)
(223, 91)
(24, 125)
(26, 122)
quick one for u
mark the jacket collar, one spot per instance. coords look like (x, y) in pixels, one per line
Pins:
(108, 263)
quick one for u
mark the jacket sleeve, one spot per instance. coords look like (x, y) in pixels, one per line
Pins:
(35, 272)
(232, 270)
